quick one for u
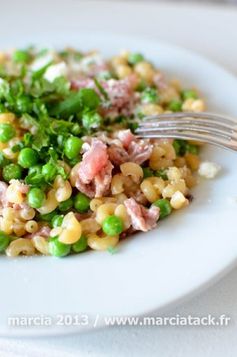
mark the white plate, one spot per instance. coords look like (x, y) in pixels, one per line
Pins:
(153, 270)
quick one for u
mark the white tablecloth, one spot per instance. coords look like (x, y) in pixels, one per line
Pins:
(211, 31)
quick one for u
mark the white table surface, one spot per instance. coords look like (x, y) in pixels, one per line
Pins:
(190, 30)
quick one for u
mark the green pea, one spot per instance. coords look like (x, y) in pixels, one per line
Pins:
(65, 205)
(91, 120)
(72, 147)
(164, 206)
(112, 225)
(147, 172)
(80, 245)
(58, 249)
(36, 197)
(192, 149)
(27, 158)
(189, 94)
(49, 171)
(4, 241)
(81, 202)
(21, 56)
(57, 220)
(135, 58)
(76, 129)
(7, 132)
(162, 173)
(12, 171)
(175, 105)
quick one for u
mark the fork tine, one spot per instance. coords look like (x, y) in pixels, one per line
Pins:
(221, 142)
(190, 127)
(199, 115)
(202, 122)
(207, 127)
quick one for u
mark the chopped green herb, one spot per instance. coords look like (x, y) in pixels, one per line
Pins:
(162, 173)
(149, 95)
(21, 56)
(101, 89)
(192, 149)
(147, 172)
(180, 147)
(91, 120)
(86, 98)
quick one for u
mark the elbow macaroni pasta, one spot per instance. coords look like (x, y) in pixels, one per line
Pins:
(152, 187)
(20, 246)
(162, 156)
(63, 189)
(101, 243)
(105, 210)
(119, 183)
(133, 170)
(50, 203)
(174, 186)
(121, 212)
(31, 226)
(89, 225)
(41, 245)
(95, 203)
(178, 200)
(14, 195)
(71, 229)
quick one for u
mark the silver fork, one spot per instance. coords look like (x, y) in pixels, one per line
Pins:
(207, 127)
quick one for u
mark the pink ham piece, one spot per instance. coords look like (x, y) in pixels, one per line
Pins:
(121, 97)
(94, 160)
(139, 151)
(117, 155)
(102, 180)
(99, 186)
(143, 219)
(126, 137)
(119, 92)
(133, 150)
(88, 189)
(95, 170)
